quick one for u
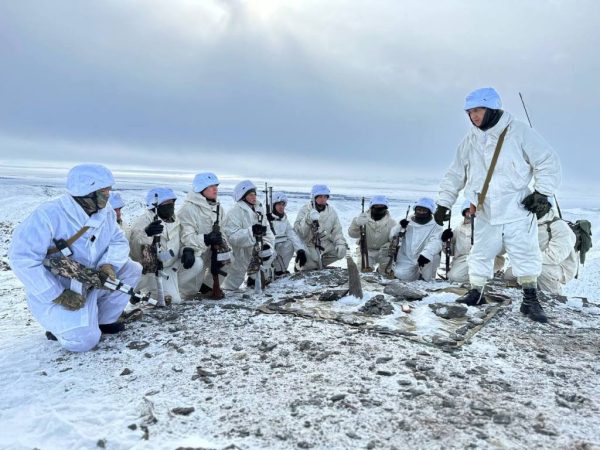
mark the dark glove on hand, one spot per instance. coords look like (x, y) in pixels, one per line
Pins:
(536, 203)
(441, 215)
(259, 230)
(216, 266)
(423, 260)
(301, 257)
(213, 238)
(154, 228)
(447, 235)
(404, 223)
(187, 258)
(270, 217)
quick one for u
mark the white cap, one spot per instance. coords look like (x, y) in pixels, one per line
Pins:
(203, 180)
(319, 189)
(379, 200)
(483, 98)
(87, 178)
(426, 202)
(163, 193)
(279, 197)
(241, 188)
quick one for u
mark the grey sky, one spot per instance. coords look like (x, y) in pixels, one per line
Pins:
(372, 89)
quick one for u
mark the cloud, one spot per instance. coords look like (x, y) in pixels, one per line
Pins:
(371, 88)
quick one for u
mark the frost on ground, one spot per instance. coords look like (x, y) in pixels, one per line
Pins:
(220, 375)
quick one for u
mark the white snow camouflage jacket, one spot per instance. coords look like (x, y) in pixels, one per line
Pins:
(329, 228)
(524, 156)
(419, 240)
(197, 217)
(285, 232)
(378, 231)
(103, 243)
(237, 226)
(170, 238)
(560, 249)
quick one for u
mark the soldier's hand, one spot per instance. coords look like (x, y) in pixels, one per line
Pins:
(188, 258)
(404, 223)
(154, 228)
(107, 271)
(213, 238)
(362, 220)
(259, 230)
(423, 260)
(70, 300)
(537, 203)
(447, 235)
(313, 215)
(270, 217)
(441, 215)
(301, 257)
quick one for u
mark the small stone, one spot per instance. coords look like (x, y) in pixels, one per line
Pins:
(385, 373)
(126, 371)
(352, 435)
(337, 397)
(403, 291)
(404, 382)
(502, 418)
(101, 443)
(304, 444)
(132, 427)
(183, 410)
(383, 359)
(449, 310)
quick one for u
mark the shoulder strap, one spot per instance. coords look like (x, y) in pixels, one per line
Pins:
(556, 219)
(490, 171)
(70, 241)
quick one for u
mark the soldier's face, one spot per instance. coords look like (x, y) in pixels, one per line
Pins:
(251, 198)
(279, 207)
(321, 199)
(211, 192)
(476, 115)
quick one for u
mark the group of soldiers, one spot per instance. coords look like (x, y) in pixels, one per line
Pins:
(200, 248)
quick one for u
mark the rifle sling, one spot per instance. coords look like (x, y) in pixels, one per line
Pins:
(490, 172)
(70, 241)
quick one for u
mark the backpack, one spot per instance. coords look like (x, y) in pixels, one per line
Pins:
(583, 235)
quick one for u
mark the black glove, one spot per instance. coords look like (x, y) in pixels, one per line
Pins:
(422, 261)
(537, 203)
(404, 223)
(301, 257)
(187, 258)
(216, 266)
(154, 228)
(213, 238)
(447, 235)
(270, 217)
(441, 215)
(259, 230)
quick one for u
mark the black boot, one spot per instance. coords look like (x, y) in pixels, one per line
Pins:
(50, 336)
(205, 289)
(112, 328)
(472, 298)
(250, 282)
(531, 306)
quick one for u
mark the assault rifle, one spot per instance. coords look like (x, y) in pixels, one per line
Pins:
(364, 249)
(219, 254)
(394, 247)
(256, 262)
(448, 247)
(269, 206)
(160, 293)
(317, 239)
(66, 267)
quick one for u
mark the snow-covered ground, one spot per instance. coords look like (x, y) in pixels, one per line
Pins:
(274, 381)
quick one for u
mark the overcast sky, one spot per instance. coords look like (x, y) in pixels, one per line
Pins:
(371, 89)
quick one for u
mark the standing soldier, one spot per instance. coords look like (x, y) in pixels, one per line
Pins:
(197, 216)
(159, 202)
(378, 223)
(506, 207)
(78, 224)
(245, 227)
(286, 239)
(318, 225)
(419, 255)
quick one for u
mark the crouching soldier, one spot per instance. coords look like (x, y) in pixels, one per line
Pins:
(249, 236)
(158, 222)
(419, 255)
(460, 246)
(378, 223)
(197, 216)
(318, 225)
(286, 239)
(557, 244)
(77, 224)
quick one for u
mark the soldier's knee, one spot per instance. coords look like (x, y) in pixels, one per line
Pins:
(81, 339)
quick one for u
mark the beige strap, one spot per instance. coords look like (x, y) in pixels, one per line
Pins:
(490, 172)
(70, 240)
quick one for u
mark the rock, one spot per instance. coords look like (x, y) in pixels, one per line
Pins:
(352, 435)
(403, 291)
(332, 295)
(304, 444)
(383, 359)
(475, 321)
(385, 373)
(337, 397)
(448, 403)
(481, 408)
(266, 346)
(404, 382)
(542, 428)
(502, 418)
(183, 410)
(377, 306)
(138, 345)
(101, 443)
(132, 427)
(126, 371)
(449, 310)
